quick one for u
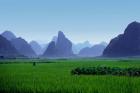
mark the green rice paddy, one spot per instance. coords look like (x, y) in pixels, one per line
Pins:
(54, 76)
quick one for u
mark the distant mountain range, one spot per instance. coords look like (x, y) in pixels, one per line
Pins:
(77, 47)
(94, 51)
(124, 45)
(36, 47)
(20, 45)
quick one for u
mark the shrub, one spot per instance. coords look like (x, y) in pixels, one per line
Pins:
(103, 70)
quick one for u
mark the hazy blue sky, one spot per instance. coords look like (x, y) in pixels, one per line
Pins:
(80, 20)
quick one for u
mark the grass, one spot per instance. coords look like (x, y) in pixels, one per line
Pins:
(55, 77)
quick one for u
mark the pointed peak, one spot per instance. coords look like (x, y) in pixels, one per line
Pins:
(8, 35)
(133, 28)
(20, 38)
(103, 43)
(61, 34)
(52, 42)
(86, 42)
(35, 42)
(134, 23)
(7, 31)
(54, 38)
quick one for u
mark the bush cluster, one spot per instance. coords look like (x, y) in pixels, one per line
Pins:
(103, 70)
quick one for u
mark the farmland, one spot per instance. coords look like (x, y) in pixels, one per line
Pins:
(54, 76)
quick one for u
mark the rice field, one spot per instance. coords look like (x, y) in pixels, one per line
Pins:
(54, 76)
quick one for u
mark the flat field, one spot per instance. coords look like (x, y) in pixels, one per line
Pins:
(54, 76)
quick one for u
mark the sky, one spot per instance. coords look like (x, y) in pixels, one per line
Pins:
(80, 20)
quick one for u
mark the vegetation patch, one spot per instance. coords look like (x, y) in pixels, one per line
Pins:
(103, 70)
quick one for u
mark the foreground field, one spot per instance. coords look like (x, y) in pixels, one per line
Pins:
(55, 77)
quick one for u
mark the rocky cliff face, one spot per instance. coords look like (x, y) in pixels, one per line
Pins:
(63, 45)
(61, 48)
(51, 50)
(126, 44)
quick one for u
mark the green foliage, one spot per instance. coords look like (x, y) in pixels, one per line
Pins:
(104, 70)
(54, 77)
